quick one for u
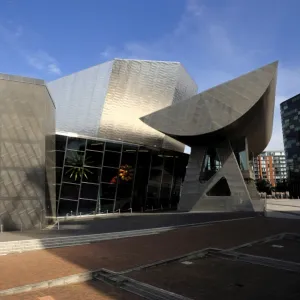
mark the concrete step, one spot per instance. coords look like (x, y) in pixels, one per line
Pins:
(57, 242)
(37, 244)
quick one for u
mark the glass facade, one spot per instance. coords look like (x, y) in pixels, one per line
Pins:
(290, 119)
(95, 176)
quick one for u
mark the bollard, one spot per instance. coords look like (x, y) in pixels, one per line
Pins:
(40, 225)
(131, 209)
(152, 208)
(21, 227)
(71, 213)
(80, 213)
(58, 224)
(1, 228)
(119, 210)
(107, 211)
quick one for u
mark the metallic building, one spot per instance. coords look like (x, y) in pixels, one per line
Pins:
(290, 119)
(27, 156)
(271, 166)
(99, 133)
(225, 126)
(107, 100)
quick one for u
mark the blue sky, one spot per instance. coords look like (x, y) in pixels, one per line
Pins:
(215, 40)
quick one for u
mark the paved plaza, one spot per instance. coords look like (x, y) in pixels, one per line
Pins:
(197, 278)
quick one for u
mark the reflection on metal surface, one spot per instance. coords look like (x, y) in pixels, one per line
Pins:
(106, 101)
(233, 119)
(27, 146)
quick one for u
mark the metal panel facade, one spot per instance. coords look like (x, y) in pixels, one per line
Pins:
(79, 99)
(137, 88)
(106, 101)
(235, 111)
(26, 122)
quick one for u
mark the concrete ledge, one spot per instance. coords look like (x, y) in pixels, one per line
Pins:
(68, 241)
(81, 277)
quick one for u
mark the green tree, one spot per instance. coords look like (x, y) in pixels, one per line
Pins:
(264, 186)
(282, 186)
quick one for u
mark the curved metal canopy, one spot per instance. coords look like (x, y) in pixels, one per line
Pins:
(223, 110)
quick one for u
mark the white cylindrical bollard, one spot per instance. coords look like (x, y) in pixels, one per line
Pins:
(58, 224)
(1, 228)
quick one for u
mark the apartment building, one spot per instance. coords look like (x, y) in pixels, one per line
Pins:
(270, 165)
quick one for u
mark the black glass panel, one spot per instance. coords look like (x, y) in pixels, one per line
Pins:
(67, 207)
(152, 203)
(129, 148)
(89, 191)
(60, 142)
(91, 175)
(93, 158)
(58, 175)
(123, 204)
(155, 175)
(107, 205)
(76, 144)
(86, 206)
(57, 191)
(113, 147)
(95, 145)
(109, 175)
(168, 165)
(153, 190)
(141, 180)
(111, 159)
(129, 158)
(124, 190)
(165, 193)
(175, 193)
(74, 158)
(157, 161)
(69, 191)
(72, 174)
(107, 191)
(60, 156)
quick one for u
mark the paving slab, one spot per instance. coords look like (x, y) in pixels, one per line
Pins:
(214, 278)
(123, 254)
(288, 250)
(95, 290)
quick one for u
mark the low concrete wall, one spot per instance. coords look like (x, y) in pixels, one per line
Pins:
(282, 208)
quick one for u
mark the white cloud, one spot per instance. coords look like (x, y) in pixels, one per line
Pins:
(208, 46)
(108, 52)
(15, 38)
(42, 61)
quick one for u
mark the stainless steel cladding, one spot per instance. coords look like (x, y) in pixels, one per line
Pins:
(79, 99)
(108, 100)
(27, 161)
